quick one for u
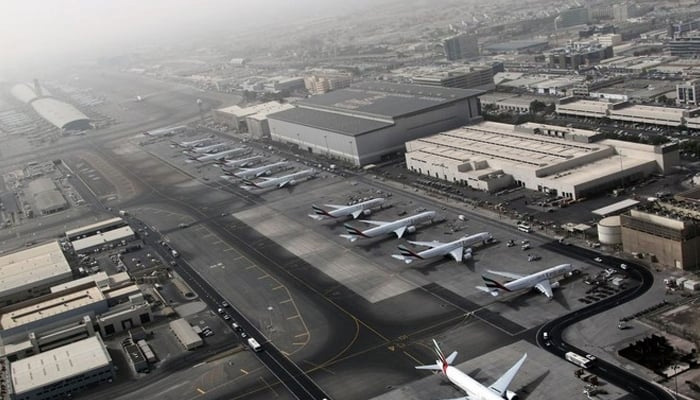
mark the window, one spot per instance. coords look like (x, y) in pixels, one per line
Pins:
(145, 318)
(109, 329)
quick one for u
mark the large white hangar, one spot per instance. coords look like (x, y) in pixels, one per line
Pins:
(370, 120)
(60, 114)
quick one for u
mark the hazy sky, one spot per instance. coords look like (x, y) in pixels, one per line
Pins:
(33, 32)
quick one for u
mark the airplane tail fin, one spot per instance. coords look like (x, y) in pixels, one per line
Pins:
(316, 217)
(351, 238)
(249, 182)
(353, 232)
(442, 362)
(403, 258)
(492, 286)
(408, 254)
(320, 211)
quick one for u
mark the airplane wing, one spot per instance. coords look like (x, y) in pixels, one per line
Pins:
(334, 206)
(502, 383)
(426, 244)
(400, 231)
(457, 254)
(378, 223)
(545, 288)
(508, 275)
(283, 184)
(356, 213)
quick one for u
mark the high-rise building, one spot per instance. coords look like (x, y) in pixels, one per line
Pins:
(575, 57)
(461, 46)
(686, 46)
(687, 93)
(573, 17)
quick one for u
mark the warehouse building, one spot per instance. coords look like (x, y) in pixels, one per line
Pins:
(372, 120)
(99, 240)
(31, 272)
(492, 156)
(186, 334)
(478, 77)
(46, 196)
(61, 372)
(72, 311)
(92, 229)
(631, 113)
(239, 117)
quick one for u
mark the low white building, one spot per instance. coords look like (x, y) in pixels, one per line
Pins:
(492, 156)
(58, 373)
(627, 112)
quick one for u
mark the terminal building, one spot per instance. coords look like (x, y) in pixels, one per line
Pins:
(60, 372)
(372, 120)
(557, 160)
(31, 272)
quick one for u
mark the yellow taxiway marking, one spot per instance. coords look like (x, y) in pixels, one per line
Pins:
(264, 276)
(293, 316)
(278, 287)
(251, 266)
(231, 249)
(285, 301)
(200, 391)
(299, 344)
(302, 334)
(244, 371)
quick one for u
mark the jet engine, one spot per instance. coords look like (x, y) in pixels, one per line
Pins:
(411, 229)
(467, 254)
(554, 285)
(511, 395)
(366, 212)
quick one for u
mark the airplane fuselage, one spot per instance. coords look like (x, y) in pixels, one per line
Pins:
(530, 281)
(241, 162)
(404, 222)
(206, 149)
(218, 156)
(461, 243)
(349, 210)
(473, 389)
(283, 180)
(261, 170)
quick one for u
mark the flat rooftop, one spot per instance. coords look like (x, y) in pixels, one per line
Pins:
(388, 100)
(660, 113)
(265, 108)
(339, 123)
(89, 242)
(591, 106)
(36, 266)
(59, 364)
(615, 207)
(490, 140)
(55, 305)
(93, 227)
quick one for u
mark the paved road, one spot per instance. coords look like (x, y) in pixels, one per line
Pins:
(630, 382)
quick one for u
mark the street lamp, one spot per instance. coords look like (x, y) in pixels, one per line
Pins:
(328, 150)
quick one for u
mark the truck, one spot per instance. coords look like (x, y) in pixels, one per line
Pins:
(577, 359)
(254, 345)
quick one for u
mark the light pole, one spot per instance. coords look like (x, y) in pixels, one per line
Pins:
(328, 150)
(352, 151)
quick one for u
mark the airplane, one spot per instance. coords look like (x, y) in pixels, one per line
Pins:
(355, 210)
(216, 156)
(398, 227)
(193, 143)
(210, 148)
(242, 162)
(168, 131)
(475, 390)
(247, 173)
(538, 280)
(280, 181)
(459, 249)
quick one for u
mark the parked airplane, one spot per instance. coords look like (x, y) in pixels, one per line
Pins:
(210, 148)
(166, 131)
(217, 156)
(247, 173)
(241, 162)
(538, 280)
(362, 208)
(280, 181)
(475, 390)
(398, 227)
(459, 249)
(193, 143)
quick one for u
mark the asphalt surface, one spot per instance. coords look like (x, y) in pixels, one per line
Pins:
(635, 385)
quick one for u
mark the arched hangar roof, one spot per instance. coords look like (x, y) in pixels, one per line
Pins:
(60, 114)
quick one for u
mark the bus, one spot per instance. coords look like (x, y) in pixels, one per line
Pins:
(524, 228)
(578, 359)
(254, 345)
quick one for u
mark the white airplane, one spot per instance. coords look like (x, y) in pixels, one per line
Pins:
(459, 249)
(280, 181)
(247, 173)
(165, 131)
(216, 156)
(398, 227)
(362, 208)
(475, 390)
(193, 143)
(538, 280)
(241, 162)
(210, 148)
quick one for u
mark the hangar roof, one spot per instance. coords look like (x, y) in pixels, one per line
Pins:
(340, 123)
(57, 112)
